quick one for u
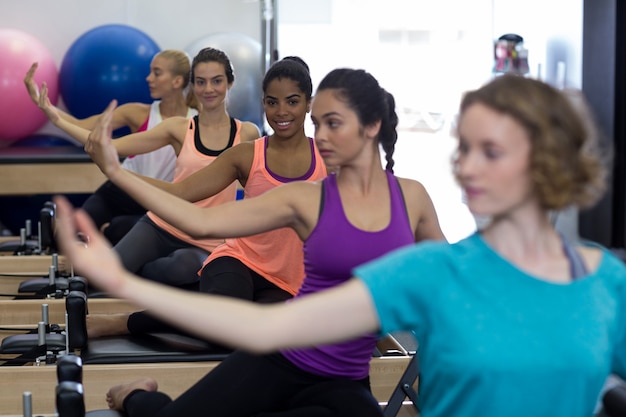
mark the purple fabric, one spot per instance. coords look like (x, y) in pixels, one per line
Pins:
(332, 250)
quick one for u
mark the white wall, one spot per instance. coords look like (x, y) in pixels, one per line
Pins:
(172, 24)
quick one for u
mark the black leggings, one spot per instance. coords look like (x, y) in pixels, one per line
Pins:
(153, 253)
(245, 385)
(231, 277)
(224, 276)
(110, 204)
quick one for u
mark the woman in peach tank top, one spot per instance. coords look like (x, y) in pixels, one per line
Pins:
(267, 267)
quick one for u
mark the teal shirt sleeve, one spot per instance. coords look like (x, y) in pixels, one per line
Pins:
(401, 284)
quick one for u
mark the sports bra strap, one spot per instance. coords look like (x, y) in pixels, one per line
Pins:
(578, 268)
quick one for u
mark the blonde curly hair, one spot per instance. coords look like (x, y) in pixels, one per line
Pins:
(565, 161)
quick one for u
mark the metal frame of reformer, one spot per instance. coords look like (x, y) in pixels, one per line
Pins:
(17, 315)
(31, 264)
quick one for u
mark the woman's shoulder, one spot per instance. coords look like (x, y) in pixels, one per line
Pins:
(248, 131)
(178, 122)
(411, 187)
(135, 107)
(137, 113)
(597, 256)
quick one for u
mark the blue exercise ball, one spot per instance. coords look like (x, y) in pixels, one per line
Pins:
(245, 53)
(105, 63)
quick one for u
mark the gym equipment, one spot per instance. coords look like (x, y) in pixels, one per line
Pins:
(49, 340)
(41, 243)
(153, 347)
(25, 171)
(246, 56)
(19, 116)
(70, 397)
(23, 313)
(107, 62)
(27, 400)
(404, 389)
(41, 346)
(25, 242)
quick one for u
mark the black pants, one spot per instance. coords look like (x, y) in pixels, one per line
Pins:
(110, 204)
(224, 276)
(245, 385)
(154, 254)
(231, 277)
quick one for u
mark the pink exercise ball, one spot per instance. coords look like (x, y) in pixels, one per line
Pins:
(19, 116)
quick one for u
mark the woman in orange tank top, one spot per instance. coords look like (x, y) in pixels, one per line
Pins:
(267, 267)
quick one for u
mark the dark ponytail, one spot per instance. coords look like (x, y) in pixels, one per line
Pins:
(362, 93)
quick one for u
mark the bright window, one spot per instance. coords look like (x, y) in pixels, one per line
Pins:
(426, 53)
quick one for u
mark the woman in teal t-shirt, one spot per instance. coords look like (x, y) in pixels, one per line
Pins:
(512, 321)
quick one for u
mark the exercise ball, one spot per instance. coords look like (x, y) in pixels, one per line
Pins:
(105, 63)
(19, 116)
(245, 53)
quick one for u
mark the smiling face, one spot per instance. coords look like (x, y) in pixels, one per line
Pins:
(493, 162)
(285, 107)
(339, 135)
(210, 84)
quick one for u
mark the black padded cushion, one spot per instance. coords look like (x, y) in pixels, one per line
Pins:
(37, 284)
(148, 348)
(22, 343)
(151, 348)
(76, 308)
(14, 245)
(70, 399)
(69, 368)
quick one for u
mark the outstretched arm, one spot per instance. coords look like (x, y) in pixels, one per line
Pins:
(57, 118)
(136, 143)
(131, 114)
(277, 208)
(33, 92)
(337, 314)
(232, 165)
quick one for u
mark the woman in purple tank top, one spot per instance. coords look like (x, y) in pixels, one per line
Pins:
(355, 215)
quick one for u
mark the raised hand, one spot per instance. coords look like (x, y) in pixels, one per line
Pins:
(99, 144)
(46, 106)
(40, 98)
(96, 260)
(31, 85)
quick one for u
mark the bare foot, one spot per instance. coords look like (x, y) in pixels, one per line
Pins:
(99, 325)
(117, 394)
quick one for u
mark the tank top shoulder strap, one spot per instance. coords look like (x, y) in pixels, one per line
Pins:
(578, 269)
(258, 159)
(330, 195)
(398, 203)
